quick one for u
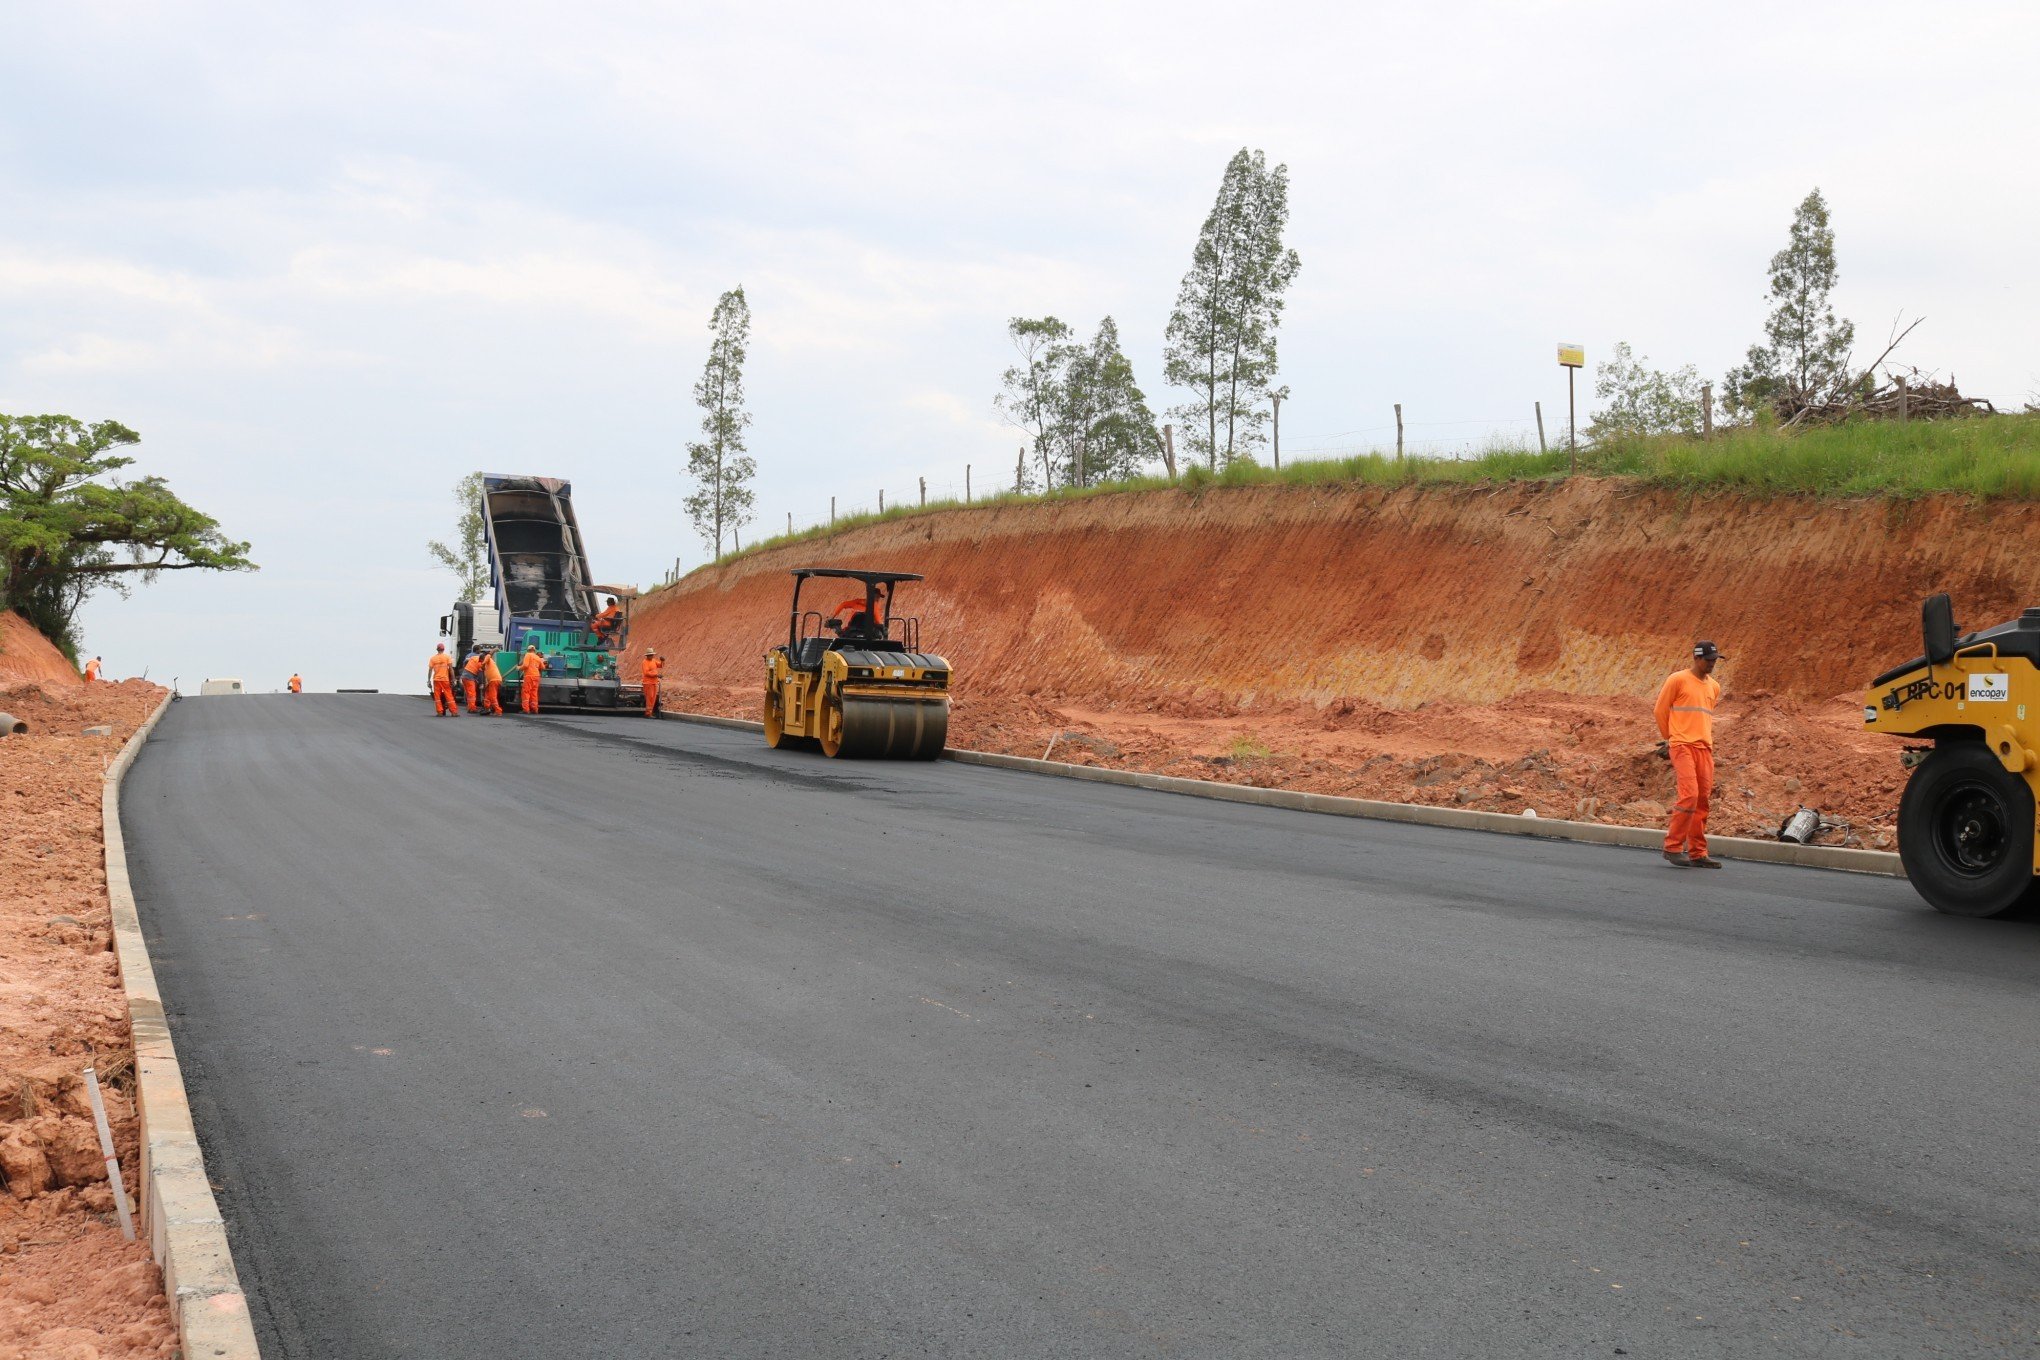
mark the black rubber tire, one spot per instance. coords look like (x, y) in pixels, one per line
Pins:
(1965, 832)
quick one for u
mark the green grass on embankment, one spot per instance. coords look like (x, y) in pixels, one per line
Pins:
(1988, 457)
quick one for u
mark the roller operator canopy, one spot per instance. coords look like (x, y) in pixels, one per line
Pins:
(871, 578)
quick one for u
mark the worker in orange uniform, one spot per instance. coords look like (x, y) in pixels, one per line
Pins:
(297, 683)
(531, 665)
(492, 684)
(439, 674)
(92, 669)
(605, 624)
(1685, 722)
(649, 677)
(471, 681)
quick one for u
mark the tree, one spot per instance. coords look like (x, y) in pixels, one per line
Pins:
(468, 559)
(69, 525)
(1104, 429)
(722, 471)
(1643, 400)
(1032, 386)
(1220, 342)
(1806, 351)
(1088, 417)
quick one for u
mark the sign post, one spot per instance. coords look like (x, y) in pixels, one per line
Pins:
(1572, 358)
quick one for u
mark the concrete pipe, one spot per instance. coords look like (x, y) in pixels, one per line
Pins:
(12, 726)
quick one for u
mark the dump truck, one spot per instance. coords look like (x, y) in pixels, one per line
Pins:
(854, 681)
(1968, 833)
(540, 590)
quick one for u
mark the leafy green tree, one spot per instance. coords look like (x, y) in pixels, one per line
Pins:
(722, 471)
(1032, 394)
(1220, 342)
(1805, 353)
(70, 525)
(1104, 430)
(468, 559)
(1643, 400)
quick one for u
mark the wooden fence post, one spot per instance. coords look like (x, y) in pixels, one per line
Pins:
(1276, 398)
(1540, 429)
(1903, 414)
(1398, 432)
(966, 483)
(1169, 450)
(832, 514)
(1020, 471)
(789, 524)
(1707, 410)
(881, 500)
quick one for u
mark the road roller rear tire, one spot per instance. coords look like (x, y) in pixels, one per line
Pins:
(1965, 832)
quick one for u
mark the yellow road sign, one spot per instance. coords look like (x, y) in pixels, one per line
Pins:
(1572, 356)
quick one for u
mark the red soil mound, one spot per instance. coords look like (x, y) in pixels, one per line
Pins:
(27, 656)
(1362, 633)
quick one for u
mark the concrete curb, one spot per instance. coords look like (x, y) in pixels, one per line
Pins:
(186, 1234)
(1881, 862)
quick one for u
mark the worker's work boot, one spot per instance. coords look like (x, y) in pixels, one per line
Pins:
(1678, 860)
(1703, 862)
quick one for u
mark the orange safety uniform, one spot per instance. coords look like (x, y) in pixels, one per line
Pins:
(531, 665)
(650, 678)
(470, 680)
(492, 685)
(607, 622)
(439, 670)
(92, 669)
(297, 684)
(1685, 719)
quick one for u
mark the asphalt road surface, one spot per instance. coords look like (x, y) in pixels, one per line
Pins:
(593, 1037)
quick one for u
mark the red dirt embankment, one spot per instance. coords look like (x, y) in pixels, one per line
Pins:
(69, 1286)
(1494, 647)
(26, 656)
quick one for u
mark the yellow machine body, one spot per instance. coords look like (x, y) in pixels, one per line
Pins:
(1968, 832)
(865, 691)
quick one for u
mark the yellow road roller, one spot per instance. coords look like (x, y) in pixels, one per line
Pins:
(855, 681)
(1967, 830)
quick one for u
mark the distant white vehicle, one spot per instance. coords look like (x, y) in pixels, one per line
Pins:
(220, 687)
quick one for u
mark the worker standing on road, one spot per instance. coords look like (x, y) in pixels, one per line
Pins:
(439, 674)
(471, 681)
(654, 663)
(92, 669)
(1685, 722)
(297, 683)
(531, 665)
(492, 684)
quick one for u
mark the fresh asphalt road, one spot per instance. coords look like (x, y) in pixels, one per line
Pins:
(594, 1037)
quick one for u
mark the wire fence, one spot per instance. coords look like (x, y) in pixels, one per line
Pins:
(1427, 439)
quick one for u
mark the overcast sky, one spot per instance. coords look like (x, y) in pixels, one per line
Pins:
(327, 259)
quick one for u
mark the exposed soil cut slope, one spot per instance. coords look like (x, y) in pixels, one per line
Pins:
(26, 656)
(69, 1286)
(1365, 639)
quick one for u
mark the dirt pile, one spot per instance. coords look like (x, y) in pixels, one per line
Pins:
(26, 656)
(1411, 643)
(69, 1286)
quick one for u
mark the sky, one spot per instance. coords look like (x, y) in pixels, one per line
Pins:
(328, 259)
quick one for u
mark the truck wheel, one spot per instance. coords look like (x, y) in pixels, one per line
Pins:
(1965, 832)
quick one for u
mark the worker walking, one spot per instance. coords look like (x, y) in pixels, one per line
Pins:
(92, 669)
(297, 683)
(471, 680)
(649, 676)
(1685, 721)
(492, 684)
(531, 665)
(439, 675)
